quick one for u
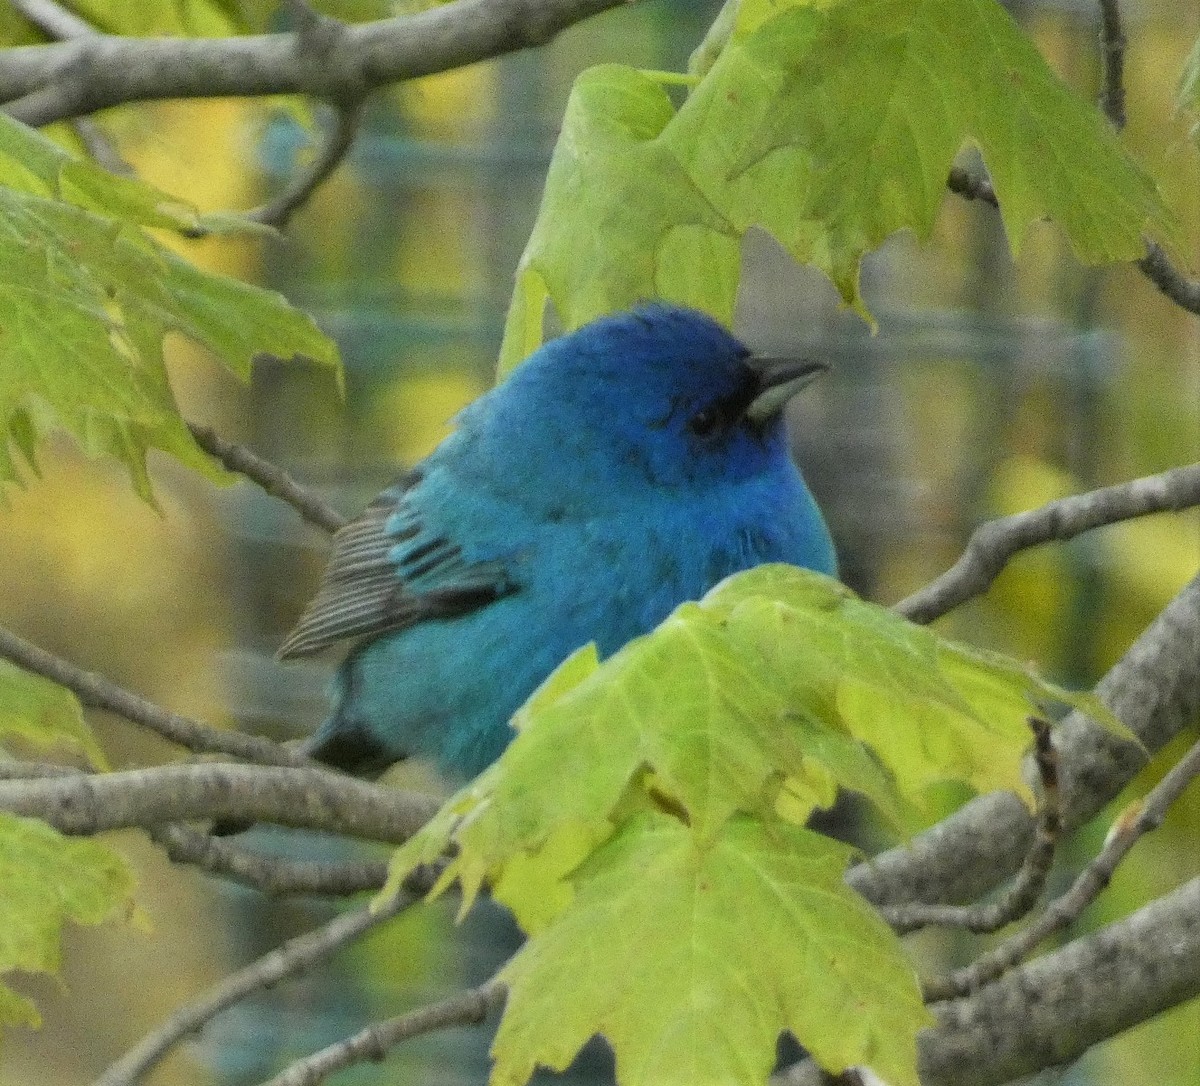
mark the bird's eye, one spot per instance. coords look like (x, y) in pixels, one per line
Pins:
(704, 422)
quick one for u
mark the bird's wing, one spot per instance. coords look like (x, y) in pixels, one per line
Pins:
(390, 570)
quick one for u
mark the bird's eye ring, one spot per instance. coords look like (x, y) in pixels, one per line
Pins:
(703, 423)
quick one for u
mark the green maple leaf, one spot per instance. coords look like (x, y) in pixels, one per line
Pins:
(732, 721)
(776, 690)
(49, 879)
(691, 957)
(831, 126)
(605, 241)
(880, 95)
(685, 704)
(86, 297)
(766, 697)
(40, 712)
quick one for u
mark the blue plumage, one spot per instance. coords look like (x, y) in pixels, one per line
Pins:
(619, 471)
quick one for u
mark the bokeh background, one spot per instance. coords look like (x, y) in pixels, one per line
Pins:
(989, 388)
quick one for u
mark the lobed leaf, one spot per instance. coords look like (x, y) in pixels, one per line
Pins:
(42, 713)
(49, 879)
(619, 215)
(692, 956)
(778, 688)
(86, 297)
(688, 763)
(830, 125)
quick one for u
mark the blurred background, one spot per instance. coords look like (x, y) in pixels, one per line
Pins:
(989, 388)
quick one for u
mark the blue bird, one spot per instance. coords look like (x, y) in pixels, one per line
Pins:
(621, 470)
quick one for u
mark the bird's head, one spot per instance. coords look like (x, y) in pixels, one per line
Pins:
(660, 392)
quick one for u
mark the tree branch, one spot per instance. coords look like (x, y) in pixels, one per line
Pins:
(46, 83)
(97, 692)
(57, 22)
(316, 33)
(24, 771)
(317, 799)
(994, 543)
(318, 38)
(53, 19)
(1053, 1009)
(1138, 819)
(1157, 267)
(294, 956)
(1154, 689)
(372, 1043)
(275, 876)
(1026, 888)
(274, 480)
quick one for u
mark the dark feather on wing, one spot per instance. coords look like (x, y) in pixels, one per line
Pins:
(368, 590)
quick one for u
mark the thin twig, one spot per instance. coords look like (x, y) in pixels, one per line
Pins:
(992, 544)
(318, 38)
(1155, 265)
(347, 117)
(101, 149)
(1136, 820)
(303, 798)
(294, 956)
(99, 693)
(1112, 57)
(53, 19)
(468, 1008)
(1027, 887)
(275, 876)
(274, 480)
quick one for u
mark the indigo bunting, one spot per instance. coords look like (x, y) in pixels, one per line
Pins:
(619, 471)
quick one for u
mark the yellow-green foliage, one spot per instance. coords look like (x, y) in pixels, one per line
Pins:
(662, 794)
(49, 879)
(88, 295)
(831, 126)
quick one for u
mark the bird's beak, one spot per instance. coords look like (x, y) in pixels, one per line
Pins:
(779, 379)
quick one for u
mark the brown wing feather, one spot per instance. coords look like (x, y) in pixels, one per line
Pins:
(364, 592)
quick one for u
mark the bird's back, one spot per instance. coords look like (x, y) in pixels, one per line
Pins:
(445, 688)
(623, 469)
